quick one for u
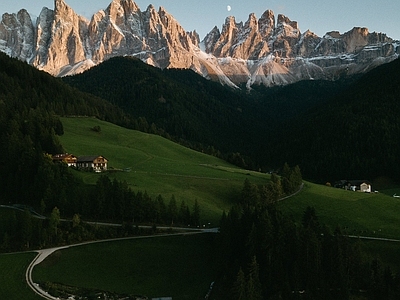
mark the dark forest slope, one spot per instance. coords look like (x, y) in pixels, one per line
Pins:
(203, 114)
(355, 135)
(184, 104)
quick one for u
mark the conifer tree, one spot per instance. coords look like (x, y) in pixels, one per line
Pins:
(172, 210)
(254, 290)
(239, 288)
(196, 213)
(54, 221)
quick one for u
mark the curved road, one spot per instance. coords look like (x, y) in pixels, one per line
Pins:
(43, 254)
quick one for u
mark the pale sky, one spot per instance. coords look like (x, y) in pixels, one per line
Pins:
(319, 16)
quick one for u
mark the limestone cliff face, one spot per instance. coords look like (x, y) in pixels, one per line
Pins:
(268, 50)
(63, 38)
(43, 37)
(115, 31)
(17, 35)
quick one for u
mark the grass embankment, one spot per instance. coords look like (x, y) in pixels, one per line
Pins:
(12, 276)
(159, 166)
(181, 267)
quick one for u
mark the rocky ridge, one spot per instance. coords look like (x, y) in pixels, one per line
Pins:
(268, 50)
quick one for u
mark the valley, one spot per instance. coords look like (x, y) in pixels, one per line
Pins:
(253, 152)
(372, 215)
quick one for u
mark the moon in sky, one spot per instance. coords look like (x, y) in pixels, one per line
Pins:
(229, 8)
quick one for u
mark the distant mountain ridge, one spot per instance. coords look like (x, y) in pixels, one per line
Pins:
(269, 51)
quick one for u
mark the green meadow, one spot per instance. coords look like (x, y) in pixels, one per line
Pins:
(156, 165)
(12, 276)
(181, 267)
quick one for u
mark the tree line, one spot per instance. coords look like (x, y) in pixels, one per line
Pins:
(21, 231)
(108, 200)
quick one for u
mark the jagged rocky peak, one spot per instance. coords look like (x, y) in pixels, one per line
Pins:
(252, 21)
(121, 11)
(226, 39)
(333, 34)
(309, 41)
(249, 43)
(60, 7)
(230, 27)
(254, 39)
(283, 20)
(174, 33)
(152, 19)
(356, 39)
(211, 39)
(268, 50)
(266, 24)
(117, 30)
(65, 46)
(286, 27)
(169, 22)
(17, 30)
(195, 38)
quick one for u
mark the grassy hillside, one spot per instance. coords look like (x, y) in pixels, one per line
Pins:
(159, 166)
(162, 167)
(375, 214)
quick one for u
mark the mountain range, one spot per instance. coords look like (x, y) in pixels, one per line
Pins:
(268, 50)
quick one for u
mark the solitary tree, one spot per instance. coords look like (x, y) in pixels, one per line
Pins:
(172, 209)
(196, 213)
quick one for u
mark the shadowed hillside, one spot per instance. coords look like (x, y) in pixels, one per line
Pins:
(356, 135)
(203, 114)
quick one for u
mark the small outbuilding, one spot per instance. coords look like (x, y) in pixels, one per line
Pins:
(67, 158)
(355, 185)
(365, 187)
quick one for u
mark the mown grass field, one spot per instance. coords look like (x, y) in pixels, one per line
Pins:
(181, 267)
(12, 276)
(159, 166)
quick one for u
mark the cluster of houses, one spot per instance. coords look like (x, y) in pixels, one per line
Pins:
(96, 163)
(354, 185)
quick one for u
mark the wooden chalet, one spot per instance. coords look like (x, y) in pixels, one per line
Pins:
(96, 163)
